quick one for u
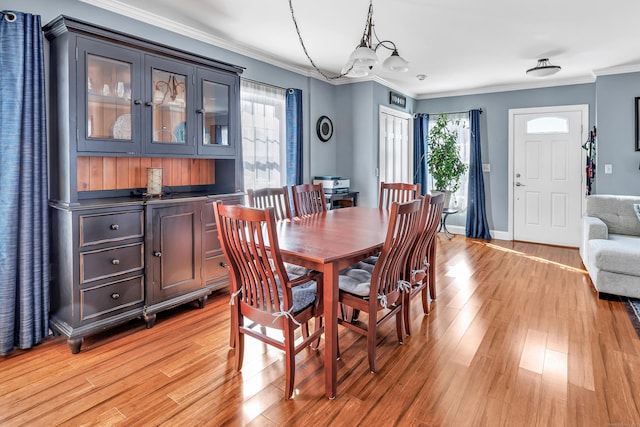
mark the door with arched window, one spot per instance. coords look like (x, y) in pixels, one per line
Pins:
(547, 173)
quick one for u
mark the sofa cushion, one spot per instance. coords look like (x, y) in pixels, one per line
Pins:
(618, 254)
(616, 212)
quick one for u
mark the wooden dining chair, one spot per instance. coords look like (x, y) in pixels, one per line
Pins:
(277, 198)
(381, 296)
(397, 192)
(419, 261)
(261, 289)
(308, 199)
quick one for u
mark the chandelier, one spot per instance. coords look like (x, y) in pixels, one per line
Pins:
(364, 58)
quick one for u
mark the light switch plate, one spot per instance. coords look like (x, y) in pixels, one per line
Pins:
(608, 169)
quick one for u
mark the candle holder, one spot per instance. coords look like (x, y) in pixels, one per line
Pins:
(154, 182)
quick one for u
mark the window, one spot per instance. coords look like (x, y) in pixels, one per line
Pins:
(263, 135)
(460, 124)
(548, 125)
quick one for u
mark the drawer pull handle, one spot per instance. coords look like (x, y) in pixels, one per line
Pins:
(157, 254)
(224, 265)
(114, 226)
(115, 261)
(115, 295)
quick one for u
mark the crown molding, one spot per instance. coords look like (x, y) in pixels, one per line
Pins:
(622, 69)
(508, 87)
(120, 8)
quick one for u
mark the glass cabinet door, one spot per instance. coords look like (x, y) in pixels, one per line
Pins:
(170, 107)
(216, 110)
(108, 89)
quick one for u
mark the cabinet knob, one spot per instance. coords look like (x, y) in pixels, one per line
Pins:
(115, 261)
(114, 226)
(148, 104)
(137, 101)
(157, 254)
(115, 295)
(224, 265)
(200, 111)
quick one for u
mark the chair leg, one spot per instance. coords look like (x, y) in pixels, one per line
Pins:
(406, 311)
(234, 327)
(239, 341)
(425, 300)
(399, 326)
(371, 342)
(432, 270)
(305, 330)
(290, 361)
(318, 325)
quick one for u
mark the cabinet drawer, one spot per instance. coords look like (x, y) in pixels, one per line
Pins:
(215, 268)
(110, 227)
(100, 300)
(211, 242)
(110, 262)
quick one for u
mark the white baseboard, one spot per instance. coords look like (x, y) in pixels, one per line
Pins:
(498, 235)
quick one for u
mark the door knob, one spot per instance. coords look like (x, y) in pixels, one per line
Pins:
(157, 254)
(519, 185)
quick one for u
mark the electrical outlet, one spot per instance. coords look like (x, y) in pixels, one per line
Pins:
(608, 169)
(486, 167)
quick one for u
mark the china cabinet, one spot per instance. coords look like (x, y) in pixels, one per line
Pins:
(122, 104)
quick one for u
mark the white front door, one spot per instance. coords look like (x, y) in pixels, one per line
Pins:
(547, 174)
(395, 163)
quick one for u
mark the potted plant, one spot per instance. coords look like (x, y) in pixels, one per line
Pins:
(444, 162)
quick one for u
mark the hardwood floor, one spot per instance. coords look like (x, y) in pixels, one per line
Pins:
(517, 337)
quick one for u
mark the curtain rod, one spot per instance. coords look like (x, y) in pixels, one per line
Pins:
(452, 112)
(263, 83)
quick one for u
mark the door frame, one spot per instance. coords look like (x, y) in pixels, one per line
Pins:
(584, 110)
(401, 115)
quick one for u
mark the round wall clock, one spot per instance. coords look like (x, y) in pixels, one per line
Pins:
(324, 128)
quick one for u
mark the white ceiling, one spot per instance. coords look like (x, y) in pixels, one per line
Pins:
(463, 46)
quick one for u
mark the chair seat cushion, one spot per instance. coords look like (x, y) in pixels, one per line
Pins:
(355, 281)
(295, 270)
(303, 295)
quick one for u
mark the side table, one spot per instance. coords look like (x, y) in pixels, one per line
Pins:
(443, 221)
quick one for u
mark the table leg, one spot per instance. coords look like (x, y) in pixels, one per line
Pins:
(443, 226)
(330, 281)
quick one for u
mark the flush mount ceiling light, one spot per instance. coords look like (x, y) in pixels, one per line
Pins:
(363, 58)
(543, 68)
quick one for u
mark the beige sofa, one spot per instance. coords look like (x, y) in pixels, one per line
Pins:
(610, 247)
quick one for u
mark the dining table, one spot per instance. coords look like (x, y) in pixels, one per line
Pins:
(329, 242)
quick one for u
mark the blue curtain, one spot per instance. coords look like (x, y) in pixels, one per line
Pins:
(420, 131)
(294, 137)
(24, 250)
(477, 225)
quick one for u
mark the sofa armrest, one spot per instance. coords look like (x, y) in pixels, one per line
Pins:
(592, 228)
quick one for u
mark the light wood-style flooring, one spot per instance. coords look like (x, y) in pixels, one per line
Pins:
(516, 337)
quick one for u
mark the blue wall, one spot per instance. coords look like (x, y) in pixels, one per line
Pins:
(615, 112)
(495, 133)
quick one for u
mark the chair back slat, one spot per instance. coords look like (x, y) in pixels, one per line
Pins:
(404, 220)
(245, 235)
(308, 199)
(431, 212)
(277, 198)
(397, 192)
